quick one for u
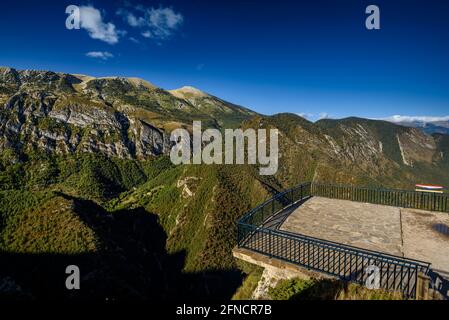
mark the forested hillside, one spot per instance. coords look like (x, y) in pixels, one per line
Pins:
(85, 179)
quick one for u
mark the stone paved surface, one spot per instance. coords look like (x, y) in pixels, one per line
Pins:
(402, 232)
(422, 241)
(358, 224)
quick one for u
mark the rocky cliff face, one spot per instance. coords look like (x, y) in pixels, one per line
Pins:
(357, 151)
(131, 118)
(120, 117)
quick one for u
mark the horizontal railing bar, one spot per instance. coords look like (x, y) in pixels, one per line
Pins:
(390, 197)
(308, 266)
(277, 196)
(359, 249)
(283, 209)
(341, 247)
(405, 270)
(376, 189)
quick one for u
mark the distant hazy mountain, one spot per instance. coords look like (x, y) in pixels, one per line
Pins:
(427, 124)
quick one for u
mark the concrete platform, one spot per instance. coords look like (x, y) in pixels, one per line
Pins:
(409, 233)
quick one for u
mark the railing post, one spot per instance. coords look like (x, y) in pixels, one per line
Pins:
(270, 244)
(422, 286)
(434, 202)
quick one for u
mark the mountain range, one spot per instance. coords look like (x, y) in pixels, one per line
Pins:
(85, 179)
(429, 127)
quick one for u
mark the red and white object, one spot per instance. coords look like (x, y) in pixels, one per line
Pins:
(429, 188)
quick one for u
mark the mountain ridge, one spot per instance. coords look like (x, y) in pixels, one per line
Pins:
(132, 119)
(125, 117)
(429, 125)
(92, 160)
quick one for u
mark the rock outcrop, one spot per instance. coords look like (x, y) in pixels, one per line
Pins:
(118, 117)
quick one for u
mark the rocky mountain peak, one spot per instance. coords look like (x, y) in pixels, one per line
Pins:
(188, 92)
(117, 116)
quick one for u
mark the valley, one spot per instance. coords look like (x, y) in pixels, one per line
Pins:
(85, 178)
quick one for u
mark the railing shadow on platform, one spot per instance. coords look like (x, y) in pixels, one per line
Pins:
(439, 281)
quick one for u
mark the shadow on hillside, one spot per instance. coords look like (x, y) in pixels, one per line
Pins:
(325, 289)
(132, 264)
(269, 187)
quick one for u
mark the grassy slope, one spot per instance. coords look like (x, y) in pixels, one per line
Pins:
(313, 289)
(63, 201)
(253, 275)
(49, 226)
(202, 224)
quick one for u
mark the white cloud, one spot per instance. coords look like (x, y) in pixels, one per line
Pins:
(92, 21)
(425, 119)
(131, 19)
(134, 21)
(147, 34)
(323, 115)
(164, 19)
(159, 23)
(307, 116)
(103, 55)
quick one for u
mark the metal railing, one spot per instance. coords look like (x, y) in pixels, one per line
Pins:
(258, 231)
(278, 203)
(388, 197)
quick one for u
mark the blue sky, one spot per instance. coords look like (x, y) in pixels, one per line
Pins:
(314, 58)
